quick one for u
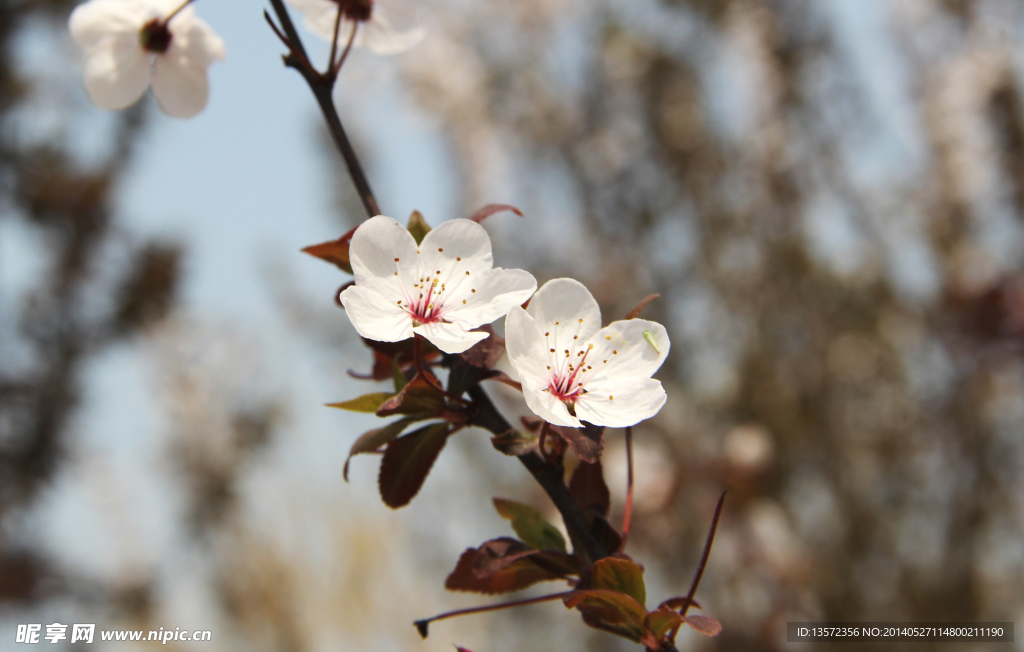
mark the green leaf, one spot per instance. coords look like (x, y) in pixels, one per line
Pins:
(620, 575)
(530, 525)
(418, 397)
(398, 376)
(662, 621)
(365, 403)
(610, 610)
(407, 461)
(371, 441)
(418, 226)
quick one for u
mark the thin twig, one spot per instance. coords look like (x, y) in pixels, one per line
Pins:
(627, 516)
(544, 427)
(348, 48)
(334, 41)
(421, 625)
(704, 556)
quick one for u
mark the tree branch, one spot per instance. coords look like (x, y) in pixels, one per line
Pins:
(322, 86)
(550, 476)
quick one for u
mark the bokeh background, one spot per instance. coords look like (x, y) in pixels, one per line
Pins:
(829, 196)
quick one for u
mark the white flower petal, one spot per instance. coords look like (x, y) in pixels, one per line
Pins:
(377, 35)
(116, 72)
(617, 404)
(524, 344)
(548, 407)
(456, 247)
(450, 338)
(180, 84)
(92, 22)
(375, 317)
(627, 351)
(496, 292)
(559, 306)
(375, 245)
(196, 40)
(319, 17)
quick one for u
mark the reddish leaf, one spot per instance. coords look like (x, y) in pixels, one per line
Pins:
(706, 625)
(487, 352)
(407, 461)
(531, 527)
(678, 603)
(620, 575)
(418, 397)
(587, 442)
(471, 573)
(371, 441)
(514, 443)
(635, 312)
(491, 209)
(661, 621)
(418, 226)
(589, 490)
(557, 562)
(381, 368)
(365, 403)
(610, 610)
(497, 554)
(334, 251)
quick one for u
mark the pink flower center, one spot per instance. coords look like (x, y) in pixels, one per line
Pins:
(568, 367)
(432, 288)
(427, 308)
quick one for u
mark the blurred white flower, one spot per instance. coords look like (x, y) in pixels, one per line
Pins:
(573, 370)
(373, 30)
(130, 44)
(439, 289)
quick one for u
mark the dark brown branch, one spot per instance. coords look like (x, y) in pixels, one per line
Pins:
(550, 476)
(322, 86)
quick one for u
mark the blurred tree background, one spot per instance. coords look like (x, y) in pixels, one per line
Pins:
(829, 199)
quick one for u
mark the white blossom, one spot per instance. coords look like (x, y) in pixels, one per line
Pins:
(573, 370)
(440, 289)
(374, 31)
(130, 44)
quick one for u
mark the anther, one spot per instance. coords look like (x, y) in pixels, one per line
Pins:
(463, 301)
(552, 350)
(457, 258)
(581, 321)
(440, 249)
(396, 260)
(610, 397)
(607, 337)
(547, 334)
(575, 337)
(467, 273)
(472, 290)
(615, 352)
